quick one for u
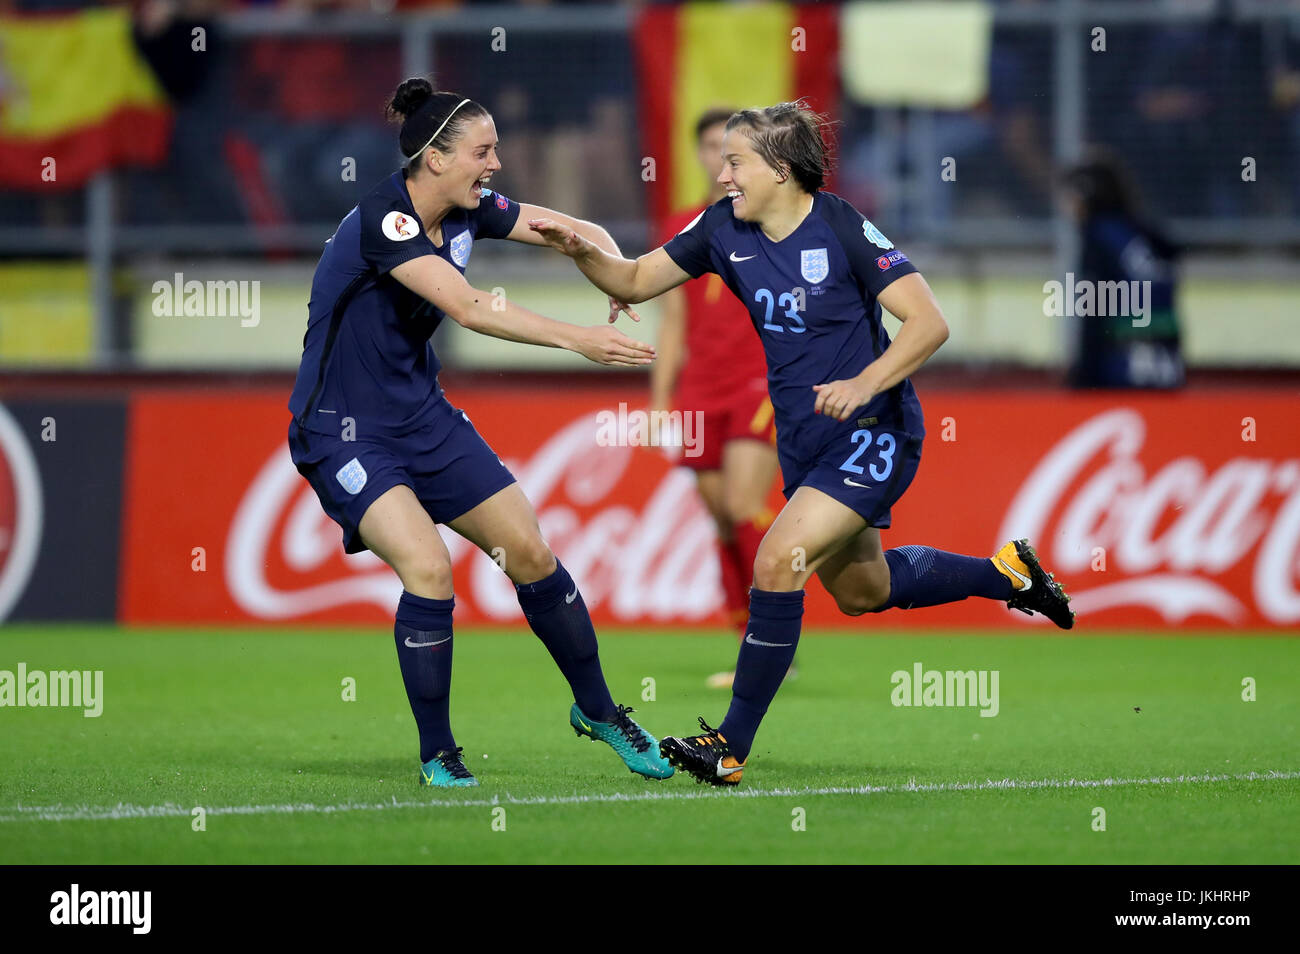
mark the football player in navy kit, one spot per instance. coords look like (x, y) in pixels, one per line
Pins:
(390, 457)
(814, 274)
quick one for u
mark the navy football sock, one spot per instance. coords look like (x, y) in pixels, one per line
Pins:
(557, 614)
(423, 636)
(765, 655)
(923, 576)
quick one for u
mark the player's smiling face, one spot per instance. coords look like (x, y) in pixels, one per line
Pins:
(749, 181)
(469, 169)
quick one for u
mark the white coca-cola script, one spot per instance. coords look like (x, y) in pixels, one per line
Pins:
(651, 560)
(1091, 497)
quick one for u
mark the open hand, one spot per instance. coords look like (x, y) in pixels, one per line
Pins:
(560, 237)
(606, 345)
(615, 306)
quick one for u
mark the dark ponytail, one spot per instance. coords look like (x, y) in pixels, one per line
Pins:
(423, 111)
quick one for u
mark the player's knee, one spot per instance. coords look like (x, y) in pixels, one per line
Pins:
(776, 569)
(863, 599)
(855, 604)
(851, 604)
(738, 509)
(528, 560)
(428, 576)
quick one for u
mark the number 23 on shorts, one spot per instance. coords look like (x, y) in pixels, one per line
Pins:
(880, 464)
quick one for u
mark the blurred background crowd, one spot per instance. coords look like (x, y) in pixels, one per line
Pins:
(1183, 93)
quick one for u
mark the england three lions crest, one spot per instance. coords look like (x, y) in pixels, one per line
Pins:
(813, 264)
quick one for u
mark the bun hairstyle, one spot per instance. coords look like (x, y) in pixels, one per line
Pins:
(429, 118)
(791, 138)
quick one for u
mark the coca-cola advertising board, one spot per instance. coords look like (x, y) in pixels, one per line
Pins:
(1155, 510)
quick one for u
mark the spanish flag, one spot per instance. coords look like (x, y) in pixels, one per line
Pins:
(698, 56)
(77, 97)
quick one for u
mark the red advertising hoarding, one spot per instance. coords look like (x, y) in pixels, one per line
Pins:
(1156, 511)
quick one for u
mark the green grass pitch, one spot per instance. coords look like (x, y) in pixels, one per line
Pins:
(251, 725)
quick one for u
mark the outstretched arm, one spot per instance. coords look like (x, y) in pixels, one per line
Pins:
(632, 281)
(436, 280)
(592, 232)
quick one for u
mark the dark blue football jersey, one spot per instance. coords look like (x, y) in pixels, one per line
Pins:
(1116, 352)
(812, 299)
(366, 353)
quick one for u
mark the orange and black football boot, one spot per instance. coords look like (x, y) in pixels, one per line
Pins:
(1035, 589)
(707, 756)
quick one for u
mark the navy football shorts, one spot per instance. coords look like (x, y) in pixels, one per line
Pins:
(865, 468)
(446, 463)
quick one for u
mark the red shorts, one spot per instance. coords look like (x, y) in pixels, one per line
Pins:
(745, 415)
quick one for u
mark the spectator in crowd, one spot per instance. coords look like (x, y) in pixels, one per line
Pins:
(306, 106)
(1284, 116)
(568, 101)
(1002, 144)
(182, 44)
(1195, 92)
(1140, 348)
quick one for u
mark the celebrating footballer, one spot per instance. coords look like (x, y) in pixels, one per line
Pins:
(814, 275)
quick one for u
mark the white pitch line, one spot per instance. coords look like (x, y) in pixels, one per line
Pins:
(21, 813)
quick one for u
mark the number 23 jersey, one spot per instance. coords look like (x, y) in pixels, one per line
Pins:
(812, 300)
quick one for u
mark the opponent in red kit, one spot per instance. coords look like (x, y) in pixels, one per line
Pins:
(711, 361)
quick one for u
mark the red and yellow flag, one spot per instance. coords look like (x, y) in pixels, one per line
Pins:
(76, 91)
(696, 56)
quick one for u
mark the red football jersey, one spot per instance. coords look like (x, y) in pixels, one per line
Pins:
(723, 351)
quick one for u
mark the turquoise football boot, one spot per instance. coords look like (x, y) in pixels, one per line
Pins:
(635, 746)
(446, 770)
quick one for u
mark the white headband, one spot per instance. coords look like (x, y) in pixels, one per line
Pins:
(438, 130)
